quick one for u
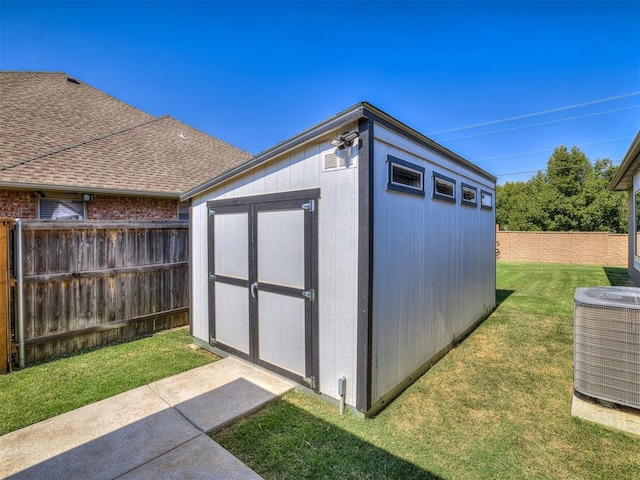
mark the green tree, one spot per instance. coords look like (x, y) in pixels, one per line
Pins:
(571, 195)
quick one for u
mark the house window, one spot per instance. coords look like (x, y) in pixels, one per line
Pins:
(71, 207)
(405, 177)
(638, 223)
(183, 210)
(486, 200)
(469, 195)
(444, 188)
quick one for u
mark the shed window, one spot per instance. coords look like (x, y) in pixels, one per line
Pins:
(61, 209)
(405, 177)
(444, 188)
(486, 200)
(469, 195)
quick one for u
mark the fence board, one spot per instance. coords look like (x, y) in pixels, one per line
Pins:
(89, 284)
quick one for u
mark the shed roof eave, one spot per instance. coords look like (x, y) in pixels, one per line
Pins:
(623, 180)
(356, 112)
(351, 114)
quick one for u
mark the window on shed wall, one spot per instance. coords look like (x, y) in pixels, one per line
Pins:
(71, 207)
(405, 177)
(486, 200)
(469, 195)
(183, 210)
(637, 223)
(444, 188)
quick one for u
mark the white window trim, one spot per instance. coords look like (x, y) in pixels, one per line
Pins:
(407, 167)
(443, 196)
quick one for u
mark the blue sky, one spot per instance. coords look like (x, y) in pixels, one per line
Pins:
(257, 73)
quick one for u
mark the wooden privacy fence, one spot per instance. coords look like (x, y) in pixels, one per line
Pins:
(594, 248)
(87, 284)
(5, 289)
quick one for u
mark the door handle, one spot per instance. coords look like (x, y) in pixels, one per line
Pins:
(254, 289)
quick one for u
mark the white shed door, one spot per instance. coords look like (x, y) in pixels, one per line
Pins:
(263, 298)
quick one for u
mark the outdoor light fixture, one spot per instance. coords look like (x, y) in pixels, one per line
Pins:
(345, 140)
(87, 197)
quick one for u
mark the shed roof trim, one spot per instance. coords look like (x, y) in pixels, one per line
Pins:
(354, 113)
(630, 164)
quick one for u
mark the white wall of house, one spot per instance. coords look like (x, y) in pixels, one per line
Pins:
(302, 169)
(434, 263)
(634, 258)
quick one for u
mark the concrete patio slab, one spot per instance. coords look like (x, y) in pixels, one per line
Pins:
(214, 395)
(99, 441)
(155, 431)
(198, 459)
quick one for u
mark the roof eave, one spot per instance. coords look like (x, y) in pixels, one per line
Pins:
(354, 113)
(88, 189)
(623, 179)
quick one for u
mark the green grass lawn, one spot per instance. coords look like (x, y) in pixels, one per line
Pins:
(48, 389)
(497, 406)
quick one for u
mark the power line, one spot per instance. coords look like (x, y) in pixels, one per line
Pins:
(529, 115)
(551, 149)
(540, 123)
(564, 167)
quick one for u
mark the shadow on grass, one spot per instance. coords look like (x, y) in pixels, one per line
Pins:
(285, 442)
(502, 295)
(618, 276)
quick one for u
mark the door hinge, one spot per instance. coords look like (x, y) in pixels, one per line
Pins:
(212, 341)
(212, 277)
(310, 294)
(310, 205)
(311, 381)
(211, 212)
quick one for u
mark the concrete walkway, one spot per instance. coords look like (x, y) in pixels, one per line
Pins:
(157, 431)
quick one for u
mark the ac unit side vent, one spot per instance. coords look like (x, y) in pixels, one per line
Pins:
(607, 344)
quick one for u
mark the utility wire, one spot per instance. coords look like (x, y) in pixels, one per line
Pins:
(529, 115)
(540, 123)
(564, 167)
(551, 149)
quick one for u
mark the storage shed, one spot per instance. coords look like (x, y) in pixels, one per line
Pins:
(348, 258)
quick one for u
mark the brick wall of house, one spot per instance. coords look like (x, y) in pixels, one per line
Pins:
(131, 208)
(597, 248)
(18, 204)
(21, 204)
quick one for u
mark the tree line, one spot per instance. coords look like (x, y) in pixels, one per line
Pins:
(570, 195)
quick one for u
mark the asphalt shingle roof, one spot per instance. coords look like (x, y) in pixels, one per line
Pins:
(60, 133)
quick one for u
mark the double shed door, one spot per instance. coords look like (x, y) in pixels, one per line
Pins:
(263, 277)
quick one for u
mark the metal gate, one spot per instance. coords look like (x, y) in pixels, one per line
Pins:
(263, 281)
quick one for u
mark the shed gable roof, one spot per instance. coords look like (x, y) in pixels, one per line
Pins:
(359, 111)
(56, 132)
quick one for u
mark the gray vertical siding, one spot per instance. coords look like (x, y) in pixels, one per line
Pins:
(337, 245)
(434, 265)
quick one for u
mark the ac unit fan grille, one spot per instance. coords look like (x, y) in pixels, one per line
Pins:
(607, 351)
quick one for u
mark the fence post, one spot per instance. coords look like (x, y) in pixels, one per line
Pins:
(5, 287)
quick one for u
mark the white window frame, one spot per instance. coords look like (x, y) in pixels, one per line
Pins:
(484, 194)
(468, 188)
(396, 164)
(439, 179)
(61, 198)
